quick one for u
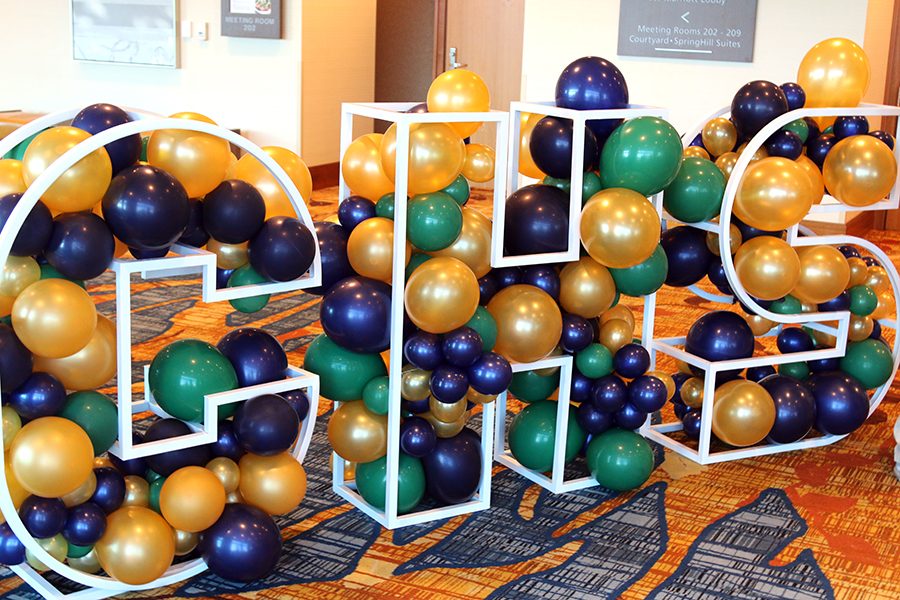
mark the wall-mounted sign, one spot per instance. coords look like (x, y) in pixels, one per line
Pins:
(691, 29)
(251, 18)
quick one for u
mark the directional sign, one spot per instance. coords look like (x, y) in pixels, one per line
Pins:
(690, 29)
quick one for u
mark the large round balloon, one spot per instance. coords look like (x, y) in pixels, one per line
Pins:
(54, 318)
(370, 248)
(362, 170)
(841, 402)
(192, 499)
(243, 545)
(283, 250)
(620, 459)
(536, 220)
(743, 413)
(138, 545)
(687, 254)
(371, 482)
(642, 154)
(257, 357)
(795, 408)
(835, 72)
(356, 313)
(824, 274)
(81, 245)
(441, 295)
(720, 335)
(775, 193)
(357, 434)
(251, 170)
(51, 457)
(643, 278)
(593, 83)
(453, 468)
(200, 161)
(96, 414)
(266, 425)
(767, 267)
(552, 144)
(34, 233)
(41, 395)
(860, 170)
(473, 245)
(528, 323)
(755, 105)
(719, 136)
(95, 118)
(342, 373)
(619, 228)
(459, 90)
(275, 484)
(434, 221)
(869, 361)
(696, 193)
(532, 436)
(168, 462)
(90, 367)
(233, 212)
(586, 288)
(437, 154)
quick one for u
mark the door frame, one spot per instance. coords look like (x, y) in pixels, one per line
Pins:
(892, 97)
(440, 37)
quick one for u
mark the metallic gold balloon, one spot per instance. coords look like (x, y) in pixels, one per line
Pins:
(234, 498)
(82, 185)
(835, 72)
(887, 305)
(479, 163)
(615, 333)
(57, 546)
(815, 176)
(619, 311)
(137, 491)
(696, 152)
(82, 493)
(17, 274)
(447, 412)
(719, 136)
(586, 288)
(759, 325)
(683, 367)
(232, 167)
(362, 170)
(476, 397)
(414, 383)
(528, 322)
(860, 170)
(859, 271)
(198, 160)
(619, 228)
(774, 194)
(667, 381)
(54, 318)
(743, 413)
(734, 240)
(229, 256)
(436, 156)
(526, 163)
(459, 90)
(760, 153)
(473, 246)
(103, 461)
(808, 307)
(550, 371)
(275, 484)
(445, 430)
(726, 164)
(441, 294)
(51, 457)
(87, 563)
(11, 178)
(824, 273)
(767, 267)
(370, 248)
(12, 423)
(191, 499)
(356, 433)
(692, 392)
(877, 279)
(185, 542)
(860, 328)
(16, 491)
(89, 368)
(251, 170)
(226, 471)
(138, 545)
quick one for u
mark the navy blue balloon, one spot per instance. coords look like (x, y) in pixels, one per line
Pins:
(333, 251)
(12, 551)
(631, 360)
(222, 276)
(647, 393)
(507, 276)
(718, 277)
(448, 384)
(690, 423)
(299, 401)
(748, 232)
(15, 360)
(814, 130)
(354, 210)
(795, 408)
(487, 287)
(167, 463)
(871, 261)
(146, 208)
(679, 378)
(194, 233)
(755, 105)
(266, 425)
(544, 277)
(81, 246)
(243, 545)
(110, 491)
(698, 141)
(824, 365)
(356, 314)
(757, 374)
(577, 333)
(841, 402)
(536, 221)
(423, 350)
(233, 212)
(591, 83)
(420, 108)
(581, 388)
(35, 231)
(226, 443)
(720, 335)
(491, 374)
(257, 357)
(43, 517)
(849, 251)
(134, 466)
(417, 437)
(784, 143)
(283, 250)
(884, 136)
(839, 302)
(766, 304)
(85, 524)
(551, 147)
(794, 339)
(609, 394)
(95, 118)
(453, 468)
(416, 407)
(818, 149)
(680, 410)
(794, 95)
(592, 420)
(41, 395)
(629, 417)
(876, 330)
(462, 347)
(846, 126)
(141, 253)
(689, 257)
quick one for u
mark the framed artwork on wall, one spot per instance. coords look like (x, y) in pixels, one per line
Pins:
(131, 32)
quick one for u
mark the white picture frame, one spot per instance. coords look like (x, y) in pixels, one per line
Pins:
(125, 32)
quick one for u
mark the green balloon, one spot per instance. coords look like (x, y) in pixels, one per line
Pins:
(151, 475)
(97, 415)
(376, 395)
(642, 154)
(385, 206)
(620, 460)
(483, 322)
(532, 432)
(786, 306)
(797, 370)
(696, 193)
(415, 260)
(869, 361)
(247, 275)
(595, 361)
(78, 551)
(529, 386)
(643, 278)
(371, 482)
(434, 221)
(343, 374)
(144, 141)
(458, 190)
(187, 370)
(590, 185)
(863, 300)
(7, 320)
(155, 489)
(49, 272)
(799, 127)
(18, 151)
(829, 129)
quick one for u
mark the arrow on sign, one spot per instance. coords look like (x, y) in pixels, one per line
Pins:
(684, 17)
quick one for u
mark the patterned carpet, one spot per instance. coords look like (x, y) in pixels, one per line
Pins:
(804, 525)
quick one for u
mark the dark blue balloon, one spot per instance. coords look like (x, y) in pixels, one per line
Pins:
(631, 360)
(283, 250)
(35, 231)
(448, 384)
(416, 407)
(720, 335)
(15, 360)
(552, 144)
(794, 95)
(462, 347)
(110, 491)
(356, 314)
(507, 276)
(748, 232)
(134, 466)
(718, 277)
(755, 105)
(12, 551)
(698, 141)
(824, 365)
(333, 250)
(233, 212)
(544, 277)
(95, 118)
(592, 83)
(417, 437)
(487, 287)
(841, 402)
(691, 424)
(299, 401)
(420, 108)
(784, 143)
(884, 136)
(423, 350)
(795, 408)
(592, 420)
(871, 261)
(141, 253)
(491, 374)
(194, 233)
(243, 545)
(794, 339)
(647, 393)
(876, 330)
(839, 302)
(814, 130)
(609, 394)
(849, 251)
(688, 255)
(581, 388)
(222, 276)
(577, 333)
(679, 378)
(41, 395)
(766, 304)
(266, 425)
(354, 210)
(85, 524)
(630, 417)
(819, 148)
(846, 126)
(226, 443)
(680, 410)
(257, 357)
(81, 246)
(167, 463)
(453, 468)
(757, 374)
(43, 517)
(536, 221)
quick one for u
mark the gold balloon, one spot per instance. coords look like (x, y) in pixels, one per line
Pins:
(226, 471)
(137, 491)
(436, 156)
(232, 167)
(234, 498)
(57, 546)
(835, 72)
(619, 311)
(441, 295)
(696, 152)
(719, 136)
(667, 381)
(251, 170)
(586, 288)
(476, 397)
(185, 542)
(615, 333)
(275, 484)
(877, 279)
(824, 273)
(82, 493)
(459, 90)
(82, 185)
(370, 248)
(759, 325)
(445, 430)
(89, 368)
(86, 564)
(528, 323)
(734, 240)
(11, 177)
(414, 383)
(229, 256)
(138, 545)
(860, 328)
(683, 367)
(479, 163)
(473, 246)
(54, 318)
(743, 413)
(17, 274)
(774, 194)
(692, 392)
(526, 163)
(51, 457)
(860, 170)
(760, 153)
(362, 170)
(12, 423)
(356, 433)
(101, 462)
(887, 305)
(550, 371)
(198, 160)
(726, 164)
(447, 412)
(192, 499)
(619, 228)
(767, 267)
(815, 177)
(859, 271)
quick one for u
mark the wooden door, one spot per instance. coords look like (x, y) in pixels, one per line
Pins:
(891, 219)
